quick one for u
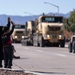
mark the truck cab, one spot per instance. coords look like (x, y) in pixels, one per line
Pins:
(28, 36)
(50, 31)
(18, 33)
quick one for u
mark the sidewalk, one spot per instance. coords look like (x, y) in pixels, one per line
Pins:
(16, 70)
(6, 71)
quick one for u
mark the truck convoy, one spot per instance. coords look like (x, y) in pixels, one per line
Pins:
(45, 31)
(18, 33)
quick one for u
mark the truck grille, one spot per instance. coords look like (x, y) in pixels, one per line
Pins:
(19, 37)
(54, 36)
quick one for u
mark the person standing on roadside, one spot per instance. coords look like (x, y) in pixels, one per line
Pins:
(7, 48)
(1, 46)
(1, 49)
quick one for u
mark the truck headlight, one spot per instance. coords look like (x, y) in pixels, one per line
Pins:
(22, 37)
(15, 36)
(60, 36)
(48, 36)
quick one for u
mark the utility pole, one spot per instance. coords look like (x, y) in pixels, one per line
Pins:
(53, 5)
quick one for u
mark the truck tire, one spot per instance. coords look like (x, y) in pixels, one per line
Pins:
(42, 44)
(62, 44)
(70, 48)
(57, 45)
(74, 47)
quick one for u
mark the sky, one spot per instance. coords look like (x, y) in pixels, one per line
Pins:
(35, 7)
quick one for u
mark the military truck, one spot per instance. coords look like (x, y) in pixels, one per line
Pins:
(47, 31)
(28, 35)
(18, 33)
(50, 31)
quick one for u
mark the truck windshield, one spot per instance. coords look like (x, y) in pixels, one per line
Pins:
(19, 26)
(52, 19)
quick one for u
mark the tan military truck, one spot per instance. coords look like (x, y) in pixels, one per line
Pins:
(45, 31)
(49, 31)
(18, 33)
(28, 34)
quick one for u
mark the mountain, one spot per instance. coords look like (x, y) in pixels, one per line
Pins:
(23, 19)
(60, 14)
(16, 19)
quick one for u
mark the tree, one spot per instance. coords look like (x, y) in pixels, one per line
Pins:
(67, 27)
(71, 21)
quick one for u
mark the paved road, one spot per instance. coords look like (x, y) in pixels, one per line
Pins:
(45, 61)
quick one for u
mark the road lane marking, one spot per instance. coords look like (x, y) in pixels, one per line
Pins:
(62, 55)
(26, 48)
(39, 50)
(53, 53)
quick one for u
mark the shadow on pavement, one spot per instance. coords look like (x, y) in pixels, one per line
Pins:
(48, 72)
